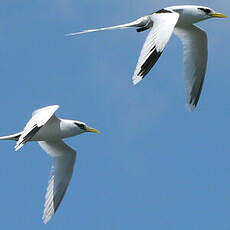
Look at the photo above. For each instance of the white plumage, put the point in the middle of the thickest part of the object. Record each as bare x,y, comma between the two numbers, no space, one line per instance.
155,43
49,131
180,20
61,172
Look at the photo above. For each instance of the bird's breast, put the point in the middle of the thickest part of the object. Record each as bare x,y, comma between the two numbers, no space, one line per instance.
47,134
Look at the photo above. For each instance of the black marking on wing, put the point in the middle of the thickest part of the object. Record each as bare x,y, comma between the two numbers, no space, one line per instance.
142,29
17,137
163,11
29,135
195,98
150,62
146,26
207,11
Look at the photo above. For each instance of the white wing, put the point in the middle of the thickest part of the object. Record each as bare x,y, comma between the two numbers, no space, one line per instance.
39,118
60,176
45,111
141,22
159,35
195,61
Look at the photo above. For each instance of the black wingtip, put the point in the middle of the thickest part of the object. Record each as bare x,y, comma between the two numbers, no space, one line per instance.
150,62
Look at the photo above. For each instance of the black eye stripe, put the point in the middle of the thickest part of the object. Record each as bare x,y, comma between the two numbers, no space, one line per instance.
81,126
207,11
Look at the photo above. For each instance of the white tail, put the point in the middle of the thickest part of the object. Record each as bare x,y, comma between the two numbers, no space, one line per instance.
11,137
141,22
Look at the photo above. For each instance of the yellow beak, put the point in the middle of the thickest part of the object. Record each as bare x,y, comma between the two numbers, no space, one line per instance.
218,15
92,130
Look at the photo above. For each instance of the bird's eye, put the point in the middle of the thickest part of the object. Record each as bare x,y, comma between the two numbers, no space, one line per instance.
81,126
207,11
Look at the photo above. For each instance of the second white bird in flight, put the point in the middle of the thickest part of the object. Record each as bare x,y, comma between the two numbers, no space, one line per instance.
180,20
49,131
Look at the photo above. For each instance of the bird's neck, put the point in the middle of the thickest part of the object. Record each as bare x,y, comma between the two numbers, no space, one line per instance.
67,128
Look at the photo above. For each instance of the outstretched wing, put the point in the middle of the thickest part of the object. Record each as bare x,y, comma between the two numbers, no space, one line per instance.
141,22
60,176
195,61
39,118
158,37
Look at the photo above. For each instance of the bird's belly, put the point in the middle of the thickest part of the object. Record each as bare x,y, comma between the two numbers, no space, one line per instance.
184,21
50,133
46,136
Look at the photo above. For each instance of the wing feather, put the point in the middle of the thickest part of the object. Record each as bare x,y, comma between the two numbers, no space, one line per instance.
61,173
195,61
39,118
157,39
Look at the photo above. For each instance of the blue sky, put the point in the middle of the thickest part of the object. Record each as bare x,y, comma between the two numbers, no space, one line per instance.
155,166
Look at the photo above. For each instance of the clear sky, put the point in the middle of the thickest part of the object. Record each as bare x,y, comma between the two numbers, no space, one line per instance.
155,166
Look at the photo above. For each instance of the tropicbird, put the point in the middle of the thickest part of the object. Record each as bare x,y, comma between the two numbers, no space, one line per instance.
49,131
180,20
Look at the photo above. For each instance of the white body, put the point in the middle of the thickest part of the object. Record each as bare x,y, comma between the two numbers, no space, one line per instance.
49,131
179,20
55,129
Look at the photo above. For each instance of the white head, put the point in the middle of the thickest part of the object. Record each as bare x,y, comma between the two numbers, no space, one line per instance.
193,14
206,12
81,127
71,128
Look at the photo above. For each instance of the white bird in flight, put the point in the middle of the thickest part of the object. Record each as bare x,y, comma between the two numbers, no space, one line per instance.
180,20
49,131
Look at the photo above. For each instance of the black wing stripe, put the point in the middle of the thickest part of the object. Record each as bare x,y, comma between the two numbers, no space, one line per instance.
163,11
195,98
142,29
150,62
146,26
29,135
17,137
